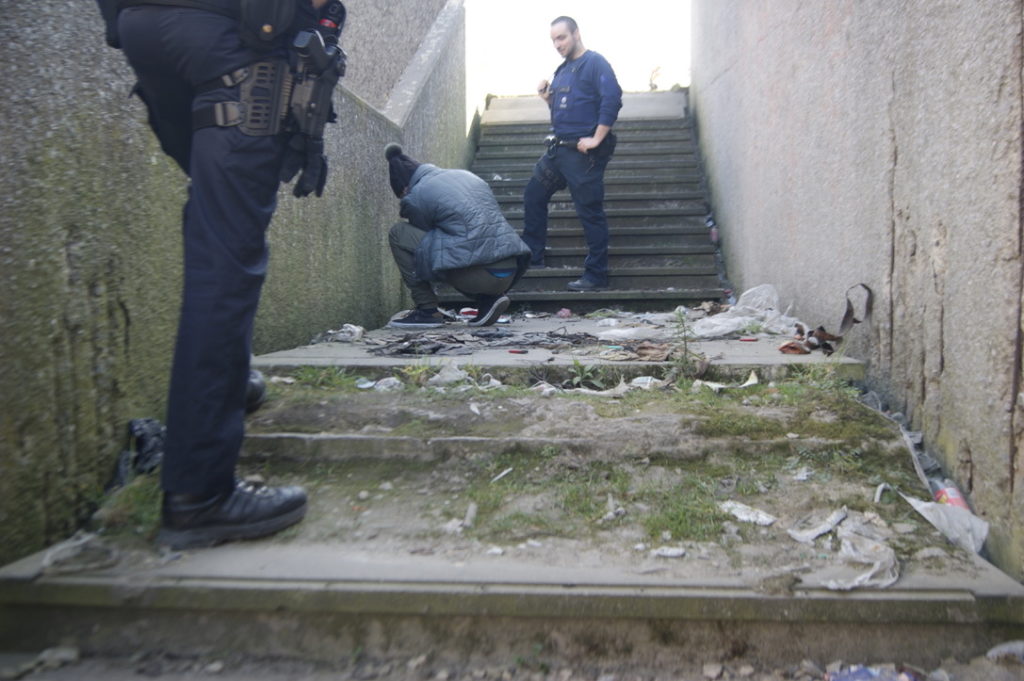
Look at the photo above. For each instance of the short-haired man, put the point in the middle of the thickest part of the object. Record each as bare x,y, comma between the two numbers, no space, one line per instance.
584,97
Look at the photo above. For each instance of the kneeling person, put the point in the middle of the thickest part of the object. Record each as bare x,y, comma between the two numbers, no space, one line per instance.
455,234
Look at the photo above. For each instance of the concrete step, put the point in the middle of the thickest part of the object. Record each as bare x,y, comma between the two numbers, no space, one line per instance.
616,199
491,140
639,299
621,205
622,150
689,232
624,218
636,256
689,183
620,164
691,276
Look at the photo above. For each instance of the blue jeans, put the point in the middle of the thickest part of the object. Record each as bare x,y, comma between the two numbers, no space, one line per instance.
231,199
584,175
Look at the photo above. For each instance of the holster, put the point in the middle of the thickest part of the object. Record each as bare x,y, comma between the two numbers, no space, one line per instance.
263,92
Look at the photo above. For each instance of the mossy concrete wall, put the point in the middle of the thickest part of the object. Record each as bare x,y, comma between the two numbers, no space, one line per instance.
90,253
880,142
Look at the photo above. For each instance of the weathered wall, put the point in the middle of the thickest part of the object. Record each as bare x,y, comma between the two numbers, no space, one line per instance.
880,142
90,249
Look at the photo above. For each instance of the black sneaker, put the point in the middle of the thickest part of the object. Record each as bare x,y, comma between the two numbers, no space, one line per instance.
249,511
419,319
490,315
584,284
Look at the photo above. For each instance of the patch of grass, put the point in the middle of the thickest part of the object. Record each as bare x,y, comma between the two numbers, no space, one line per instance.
417,374
327,378
583,494
132,510
519,525
689,511
603,313
734,423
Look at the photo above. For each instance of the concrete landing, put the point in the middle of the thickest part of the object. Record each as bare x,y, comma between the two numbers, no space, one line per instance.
635,105
520,344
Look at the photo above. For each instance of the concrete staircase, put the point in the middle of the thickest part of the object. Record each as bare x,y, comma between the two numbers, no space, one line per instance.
661,254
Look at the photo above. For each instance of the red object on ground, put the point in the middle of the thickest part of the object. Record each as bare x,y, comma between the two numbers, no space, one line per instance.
518,352
748,340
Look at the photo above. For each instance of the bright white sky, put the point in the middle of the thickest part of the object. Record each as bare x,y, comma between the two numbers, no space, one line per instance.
509,50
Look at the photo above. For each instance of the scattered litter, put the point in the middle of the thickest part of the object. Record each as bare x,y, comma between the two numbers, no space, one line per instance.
388,384
718,387
518,352
792,436
348,333
608,321
859,544
364,383
794,348
614,511
807,535
646,383
448,374
470,516
81,552
144,454
363,495
387,486
502,474
564,313
545,389
474,408
537,315
758,306
495,551
287,380
668,552
747,514
453,526
1011,650
712,670
958,525
861,673
621,389
628,333
488,382
748,339
803,475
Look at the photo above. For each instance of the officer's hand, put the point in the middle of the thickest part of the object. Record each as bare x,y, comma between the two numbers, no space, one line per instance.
308,156
542,89
585,144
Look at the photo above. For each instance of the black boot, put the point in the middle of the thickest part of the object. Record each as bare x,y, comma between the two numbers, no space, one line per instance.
249,511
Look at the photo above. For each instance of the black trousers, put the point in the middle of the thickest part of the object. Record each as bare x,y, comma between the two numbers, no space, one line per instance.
231,199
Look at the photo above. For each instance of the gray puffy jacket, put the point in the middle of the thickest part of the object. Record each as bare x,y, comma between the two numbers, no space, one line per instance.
463,221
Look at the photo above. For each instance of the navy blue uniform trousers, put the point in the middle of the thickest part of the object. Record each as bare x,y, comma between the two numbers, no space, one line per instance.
584,175
231,199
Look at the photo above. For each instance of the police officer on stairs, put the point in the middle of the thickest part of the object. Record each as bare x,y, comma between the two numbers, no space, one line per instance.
584,97
215,77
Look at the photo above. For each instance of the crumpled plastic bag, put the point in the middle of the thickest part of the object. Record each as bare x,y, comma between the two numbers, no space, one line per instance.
448,374
859,545
759,305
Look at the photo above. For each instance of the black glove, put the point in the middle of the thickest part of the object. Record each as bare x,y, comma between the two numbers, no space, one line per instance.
308,156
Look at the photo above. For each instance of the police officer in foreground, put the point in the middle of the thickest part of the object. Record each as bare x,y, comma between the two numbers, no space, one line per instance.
237,92
584,97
